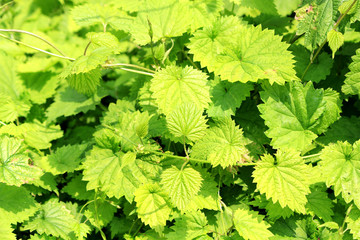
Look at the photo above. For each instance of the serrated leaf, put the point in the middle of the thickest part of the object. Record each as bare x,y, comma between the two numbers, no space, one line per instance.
6,232
153,205
320,204
102,214
103,39
223,145
353,222
226,97
15,168
274,210
16,204
267,7
69,102
340,165
203,12
103,169
250,225
181,185
92,14
173,86
292,113
352,83
53,219
190,226
283,179
187,123
65,159
318,70
250,54
76,188
167,18
335,40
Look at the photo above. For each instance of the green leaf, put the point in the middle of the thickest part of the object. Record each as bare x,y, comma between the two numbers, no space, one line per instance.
181,185
76,188
292,113
102,214
15,168
16,204
93,14
167,18
69,102
223,145
226,97
6,232
250,225
335,40
352,82
103,39
318,70
173,86
340,165
53,219
153,205
189,226
353,222
320,204
267,7
65,159
111,173
317,21
187,123
284,179
274,210
84,73
247,54
203,12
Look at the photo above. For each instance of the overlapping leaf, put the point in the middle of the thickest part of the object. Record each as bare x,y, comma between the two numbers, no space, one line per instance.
223,145
186,123
251,226
182,185
340,166
352,81
15,168
174,85
285,179
153,205
296,113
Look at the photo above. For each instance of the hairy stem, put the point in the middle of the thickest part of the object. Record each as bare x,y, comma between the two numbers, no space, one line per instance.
341,17
34,35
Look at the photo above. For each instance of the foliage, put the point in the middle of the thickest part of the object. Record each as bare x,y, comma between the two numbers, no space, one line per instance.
179,119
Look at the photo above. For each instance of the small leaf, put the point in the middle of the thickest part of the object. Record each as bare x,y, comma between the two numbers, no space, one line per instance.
152,205
352,81
173,86
187,123
320,204
353,222
335,40
223,145
15,168
251,226
181,185
284,179
340,165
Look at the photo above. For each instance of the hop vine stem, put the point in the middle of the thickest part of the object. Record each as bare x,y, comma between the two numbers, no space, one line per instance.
341,17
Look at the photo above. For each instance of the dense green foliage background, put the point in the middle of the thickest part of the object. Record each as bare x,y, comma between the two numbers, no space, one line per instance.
179,119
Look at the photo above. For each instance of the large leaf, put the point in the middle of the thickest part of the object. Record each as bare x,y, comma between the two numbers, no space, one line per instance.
285,179
352,81
15,168
223,145
167,19
182,185
174,85
53,219
153,205
6,232
116,175
251,226
340,166
294,113
247,54
320,204
65,159
187,123
16,204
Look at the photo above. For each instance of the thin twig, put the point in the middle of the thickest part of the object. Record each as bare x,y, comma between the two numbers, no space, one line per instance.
128,65
86,48
38,49
34,35
136,71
